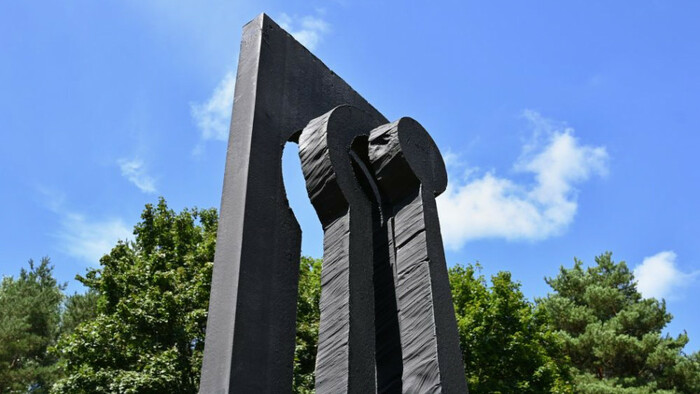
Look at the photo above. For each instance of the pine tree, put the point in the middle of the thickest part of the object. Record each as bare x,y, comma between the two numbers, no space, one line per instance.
78,308
612,334
29,316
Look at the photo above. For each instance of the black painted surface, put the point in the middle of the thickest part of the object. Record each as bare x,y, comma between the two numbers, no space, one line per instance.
345,358
410,173
387,322
280,86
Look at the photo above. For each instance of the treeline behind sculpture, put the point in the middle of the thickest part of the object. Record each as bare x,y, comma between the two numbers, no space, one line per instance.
140,327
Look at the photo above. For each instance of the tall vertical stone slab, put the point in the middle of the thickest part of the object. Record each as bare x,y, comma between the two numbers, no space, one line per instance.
280,86
410,173
345,362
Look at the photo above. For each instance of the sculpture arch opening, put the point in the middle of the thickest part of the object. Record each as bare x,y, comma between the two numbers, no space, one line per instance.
295,190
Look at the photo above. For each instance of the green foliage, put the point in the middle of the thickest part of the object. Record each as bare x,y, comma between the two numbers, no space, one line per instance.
78,308
507,347
613,336
308,315
505,344
29,316
148,334
140,327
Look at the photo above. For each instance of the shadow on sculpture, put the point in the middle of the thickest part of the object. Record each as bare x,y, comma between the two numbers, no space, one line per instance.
387,320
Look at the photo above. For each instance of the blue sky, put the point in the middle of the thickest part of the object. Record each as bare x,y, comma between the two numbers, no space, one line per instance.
568,129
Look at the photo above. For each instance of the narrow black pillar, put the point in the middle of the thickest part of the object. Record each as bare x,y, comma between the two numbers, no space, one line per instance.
345,362
410,173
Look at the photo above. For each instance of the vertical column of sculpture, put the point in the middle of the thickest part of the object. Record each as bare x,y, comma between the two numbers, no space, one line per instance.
410,173
345,359
251,324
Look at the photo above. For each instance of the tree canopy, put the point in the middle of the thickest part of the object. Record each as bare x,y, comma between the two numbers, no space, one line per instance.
140,326
148,333
506,346
612,335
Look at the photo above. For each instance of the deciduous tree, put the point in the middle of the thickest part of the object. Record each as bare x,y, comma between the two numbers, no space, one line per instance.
152,296
308,315
147,336
506,346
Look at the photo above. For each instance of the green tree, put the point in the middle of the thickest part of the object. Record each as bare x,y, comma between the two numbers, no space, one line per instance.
140,327
77,309
612,334
308,315
29,316
506,345
153,294
146,334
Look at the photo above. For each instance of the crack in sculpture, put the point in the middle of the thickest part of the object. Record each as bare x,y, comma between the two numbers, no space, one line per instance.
387,321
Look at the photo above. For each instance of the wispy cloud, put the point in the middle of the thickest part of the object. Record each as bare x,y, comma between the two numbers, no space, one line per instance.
658,277
89,239
80,236
308,30
135,172
213,116
489,206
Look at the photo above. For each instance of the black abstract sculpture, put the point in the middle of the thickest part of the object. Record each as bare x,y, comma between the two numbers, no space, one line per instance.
387,321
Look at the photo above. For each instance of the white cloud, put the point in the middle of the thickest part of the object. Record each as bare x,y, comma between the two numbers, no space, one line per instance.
489,206
79,236
134,171
658,277
90,240
308,30
452,159
214,116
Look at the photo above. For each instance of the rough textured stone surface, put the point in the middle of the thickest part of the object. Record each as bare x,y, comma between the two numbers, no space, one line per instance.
387,323
410,172
345,359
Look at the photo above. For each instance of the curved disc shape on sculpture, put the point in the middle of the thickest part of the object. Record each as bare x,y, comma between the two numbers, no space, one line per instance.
403,154
325,150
